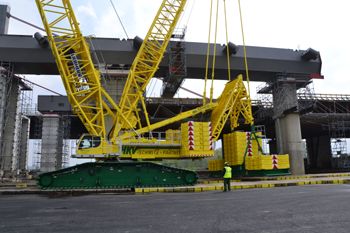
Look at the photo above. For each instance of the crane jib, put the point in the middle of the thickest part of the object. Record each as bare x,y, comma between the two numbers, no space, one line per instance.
76,65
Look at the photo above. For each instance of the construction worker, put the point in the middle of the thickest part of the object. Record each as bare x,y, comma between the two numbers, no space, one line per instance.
227,174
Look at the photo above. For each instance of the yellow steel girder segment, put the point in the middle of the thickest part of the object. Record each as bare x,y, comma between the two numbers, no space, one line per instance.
242,107
233,101
224,101
148,58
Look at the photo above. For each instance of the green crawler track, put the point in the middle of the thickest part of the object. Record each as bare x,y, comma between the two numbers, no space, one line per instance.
111,175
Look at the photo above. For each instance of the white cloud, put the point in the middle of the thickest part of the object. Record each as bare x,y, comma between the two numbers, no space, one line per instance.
107,25
87,10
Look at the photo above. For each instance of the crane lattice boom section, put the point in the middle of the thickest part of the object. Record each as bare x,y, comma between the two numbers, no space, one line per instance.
79,76
147,61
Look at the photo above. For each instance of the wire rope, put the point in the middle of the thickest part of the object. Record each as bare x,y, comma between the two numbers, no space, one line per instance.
213,69
194,2
207,63
127,36
245,53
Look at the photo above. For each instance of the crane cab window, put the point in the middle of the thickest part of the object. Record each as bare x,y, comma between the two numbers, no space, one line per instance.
89,142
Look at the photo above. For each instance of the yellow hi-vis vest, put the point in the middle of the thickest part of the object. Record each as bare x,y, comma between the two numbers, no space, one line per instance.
228,173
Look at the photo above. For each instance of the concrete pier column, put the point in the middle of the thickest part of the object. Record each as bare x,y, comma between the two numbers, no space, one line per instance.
10,143
114,86
291,142
319,151
287,123
52,143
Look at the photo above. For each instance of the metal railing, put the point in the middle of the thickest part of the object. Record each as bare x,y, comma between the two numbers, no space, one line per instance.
151,138
114,146
337,97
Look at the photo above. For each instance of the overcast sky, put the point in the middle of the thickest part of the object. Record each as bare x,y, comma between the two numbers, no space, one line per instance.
288,24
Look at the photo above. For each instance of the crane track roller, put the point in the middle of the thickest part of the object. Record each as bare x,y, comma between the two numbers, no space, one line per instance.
111,175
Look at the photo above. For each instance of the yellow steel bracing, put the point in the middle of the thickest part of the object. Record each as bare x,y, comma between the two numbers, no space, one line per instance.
147,61
80,79
232,102
184,115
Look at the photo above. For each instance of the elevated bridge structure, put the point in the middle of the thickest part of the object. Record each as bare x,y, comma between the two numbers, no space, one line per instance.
285,71
325,107
323,110
28,57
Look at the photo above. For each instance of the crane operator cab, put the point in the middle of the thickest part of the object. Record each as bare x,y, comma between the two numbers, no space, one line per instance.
93,146
89,141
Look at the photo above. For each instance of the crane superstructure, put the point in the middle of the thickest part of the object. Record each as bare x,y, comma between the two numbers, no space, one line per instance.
127,138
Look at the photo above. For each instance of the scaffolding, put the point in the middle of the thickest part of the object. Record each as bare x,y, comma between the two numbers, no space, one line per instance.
264,140
288,93
336,128
264,103
177,64
22,125
331,104
38,124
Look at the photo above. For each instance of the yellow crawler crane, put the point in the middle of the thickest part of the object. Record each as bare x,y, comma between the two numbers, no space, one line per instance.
127,139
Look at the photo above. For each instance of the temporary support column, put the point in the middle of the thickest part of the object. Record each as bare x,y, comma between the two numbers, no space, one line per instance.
23,154
10,142
114,83
4,18
287,123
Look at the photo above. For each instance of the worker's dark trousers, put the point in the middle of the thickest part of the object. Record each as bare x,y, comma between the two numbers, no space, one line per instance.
227,184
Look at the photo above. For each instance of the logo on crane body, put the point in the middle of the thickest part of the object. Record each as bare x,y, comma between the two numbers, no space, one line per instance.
76,65
129,150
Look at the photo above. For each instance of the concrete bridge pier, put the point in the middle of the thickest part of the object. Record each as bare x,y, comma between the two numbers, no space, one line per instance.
288,127
287,123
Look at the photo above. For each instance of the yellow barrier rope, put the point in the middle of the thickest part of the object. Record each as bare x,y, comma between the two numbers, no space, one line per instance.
206,68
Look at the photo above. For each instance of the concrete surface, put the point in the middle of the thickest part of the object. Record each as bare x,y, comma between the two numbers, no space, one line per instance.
210,184
315,208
